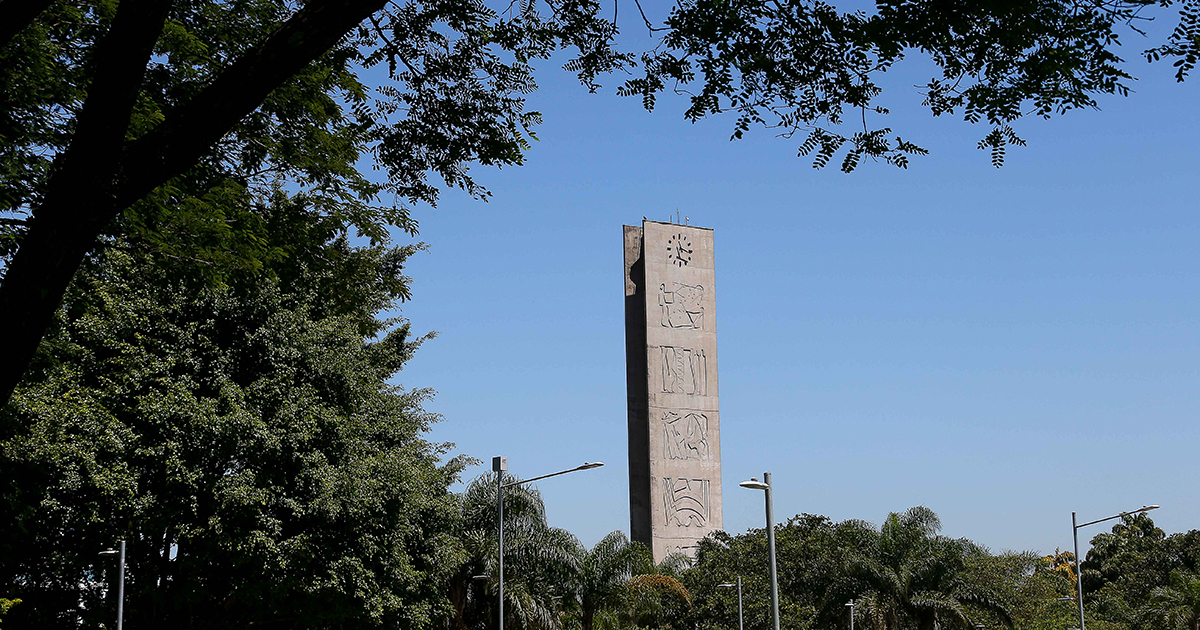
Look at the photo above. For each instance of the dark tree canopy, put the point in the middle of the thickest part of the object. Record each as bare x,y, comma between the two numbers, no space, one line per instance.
171,120
244,440
902,576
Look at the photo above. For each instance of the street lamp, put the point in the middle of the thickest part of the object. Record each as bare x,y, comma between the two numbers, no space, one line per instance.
109,553
739,588
500,465
851,605
1075,536
765,486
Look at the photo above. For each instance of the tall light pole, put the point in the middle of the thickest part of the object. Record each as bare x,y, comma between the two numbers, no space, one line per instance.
739,588
851,605
1075,537
500,465
765,486
108,553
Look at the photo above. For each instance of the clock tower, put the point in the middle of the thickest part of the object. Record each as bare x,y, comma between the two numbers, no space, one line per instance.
671,386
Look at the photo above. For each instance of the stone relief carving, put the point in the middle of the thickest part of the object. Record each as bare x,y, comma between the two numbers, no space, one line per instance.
682,307
686,501
684,371
685,436
687,550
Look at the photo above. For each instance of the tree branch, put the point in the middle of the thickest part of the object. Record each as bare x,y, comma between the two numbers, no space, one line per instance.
97,179
79,194
103,121
188,132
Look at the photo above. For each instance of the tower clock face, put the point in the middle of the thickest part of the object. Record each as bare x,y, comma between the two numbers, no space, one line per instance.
679,250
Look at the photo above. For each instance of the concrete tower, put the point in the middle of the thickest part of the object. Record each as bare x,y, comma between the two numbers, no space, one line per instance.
671,382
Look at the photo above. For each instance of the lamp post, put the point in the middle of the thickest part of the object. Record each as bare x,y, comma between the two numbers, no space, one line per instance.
1075,536
739,588
765,486
851,605
108,553
500,465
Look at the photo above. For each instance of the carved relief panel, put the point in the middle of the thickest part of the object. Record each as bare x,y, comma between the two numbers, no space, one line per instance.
682,306
684,371
686,501
685,436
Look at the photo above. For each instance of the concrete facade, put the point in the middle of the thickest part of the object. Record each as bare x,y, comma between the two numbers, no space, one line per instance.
671,384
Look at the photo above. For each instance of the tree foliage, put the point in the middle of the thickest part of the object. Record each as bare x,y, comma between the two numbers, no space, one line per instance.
244,441
551,581
917,577
901,576
812,554
804,66
1128,564
540,562
173,119
1175,605
605,581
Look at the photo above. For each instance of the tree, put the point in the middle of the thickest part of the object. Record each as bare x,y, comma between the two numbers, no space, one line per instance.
540,562
1135,546
1126,565
812,553
134,116
655,600
1037,591
1175,606
243,440
6,604
605,574
916,576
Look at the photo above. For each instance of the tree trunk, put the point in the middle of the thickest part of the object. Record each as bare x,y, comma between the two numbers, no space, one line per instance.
79,200
458,599
99,177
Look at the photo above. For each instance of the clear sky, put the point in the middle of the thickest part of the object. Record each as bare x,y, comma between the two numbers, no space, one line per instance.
1003,346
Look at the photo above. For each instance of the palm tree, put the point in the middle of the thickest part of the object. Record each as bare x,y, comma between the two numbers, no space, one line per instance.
913,576
619,586
605,573
1175,606
539,561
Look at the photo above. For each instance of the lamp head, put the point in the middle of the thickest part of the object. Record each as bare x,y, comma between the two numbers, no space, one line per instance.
485,576
109,553
590,465
754,484
726,585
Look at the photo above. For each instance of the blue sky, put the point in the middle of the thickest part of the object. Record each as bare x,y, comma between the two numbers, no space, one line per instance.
1001,345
